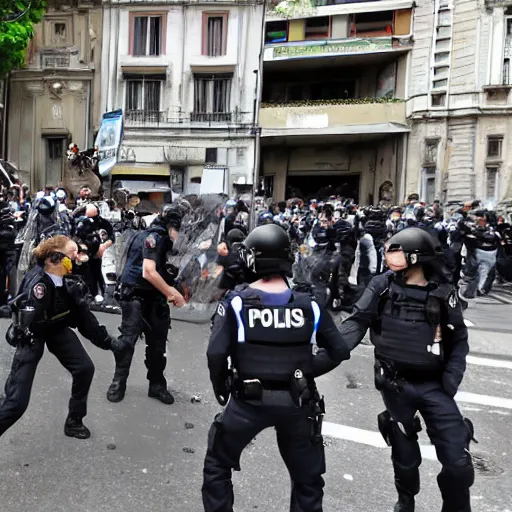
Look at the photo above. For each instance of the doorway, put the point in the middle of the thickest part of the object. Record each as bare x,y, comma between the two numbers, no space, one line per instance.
315,186
55,152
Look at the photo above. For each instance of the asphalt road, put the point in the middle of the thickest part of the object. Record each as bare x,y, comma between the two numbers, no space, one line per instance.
142,456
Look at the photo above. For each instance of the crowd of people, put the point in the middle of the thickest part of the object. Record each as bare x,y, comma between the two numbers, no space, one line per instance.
394,268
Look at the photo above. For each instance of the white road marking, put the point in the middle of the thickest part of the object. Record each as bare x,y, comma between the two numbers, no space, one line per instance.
468,323
493,401
367,437
485,361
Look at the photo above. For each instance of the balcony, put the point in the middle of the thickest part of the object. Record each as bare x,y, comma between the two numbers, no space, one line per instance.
157,119
362,115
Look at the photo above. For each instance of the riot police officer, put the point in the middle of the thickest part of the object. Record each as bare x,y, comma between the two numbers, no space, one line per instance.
421,343
146,290
50,301
271,334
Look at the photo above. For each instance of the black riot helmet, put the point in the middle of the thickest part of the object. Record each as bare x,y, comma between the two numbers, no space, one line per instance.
418,245
171,216
266,251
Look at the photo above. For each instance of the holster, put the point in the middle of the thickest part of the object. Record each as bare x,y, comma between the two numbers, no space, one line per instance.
302,388
385,376
317,405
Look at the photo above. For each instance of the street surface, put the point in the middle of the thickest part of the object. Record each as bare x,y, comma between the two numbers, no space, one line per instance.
143,457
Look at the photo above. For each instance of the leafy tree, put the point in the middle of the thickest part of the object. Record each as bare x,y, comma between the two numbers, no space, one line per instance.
17,19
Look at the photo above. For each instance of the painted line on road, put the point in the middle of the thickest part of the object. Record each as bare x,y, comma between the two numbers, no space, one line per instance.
485,361
493,401
367,437
468,323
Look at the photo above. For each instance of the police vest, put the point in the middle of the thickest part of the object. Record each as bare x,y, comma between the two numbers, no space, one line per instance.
132,272
407,333
274,341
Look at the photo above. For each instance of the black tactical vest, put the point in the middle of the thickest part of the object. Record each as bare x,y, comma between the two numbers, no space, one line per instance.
407,333
274,341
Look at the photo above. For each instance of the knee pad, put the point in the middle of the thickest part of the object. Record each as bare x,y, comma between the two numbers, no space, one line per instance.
459,473
393,430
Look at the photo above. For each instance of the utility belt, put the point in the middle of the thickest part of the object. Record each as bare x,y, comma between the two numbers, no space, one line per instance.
302,389
126,292
388,376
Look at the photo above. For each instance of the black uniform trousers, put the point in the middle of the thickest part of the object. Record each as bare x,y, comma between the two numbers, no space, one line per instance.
67,348
447,432
237,426
148,315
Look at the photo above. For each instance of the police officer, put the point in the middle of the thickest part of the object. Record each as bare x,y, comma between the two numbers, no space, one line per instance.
146,289
271,335
50,301
421,343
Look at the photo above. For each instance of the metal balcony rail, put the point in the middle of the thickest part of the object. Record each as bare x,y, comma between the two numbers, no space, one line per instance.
143,117
210,117
321,3
151,117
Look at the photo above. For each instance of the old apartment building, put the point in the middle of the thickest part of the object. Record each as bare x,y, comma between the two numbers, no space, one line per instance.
185,74
460,106
333,113
55,99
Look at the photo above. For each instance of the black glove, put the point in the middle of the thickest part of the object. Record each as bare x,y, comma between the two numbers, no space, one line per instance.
16,336
222,393
76,288
451,383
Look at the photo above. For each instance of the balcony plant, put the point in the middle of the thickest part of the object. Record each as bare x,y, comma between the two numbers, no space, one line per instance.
292,8
320,103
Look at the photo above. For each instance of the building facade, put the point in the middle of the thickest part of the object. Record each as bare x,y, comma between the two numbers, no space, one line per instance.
186,76
333,116
460,106
55,99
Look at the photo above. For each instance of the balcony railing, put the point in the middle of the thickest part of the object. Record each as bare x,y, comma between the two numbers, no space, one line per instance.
210,117
152,118
143,117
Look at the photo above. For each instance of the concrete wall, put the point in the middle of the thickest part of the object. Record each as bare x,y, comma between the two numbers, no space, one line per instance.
331,115
375,162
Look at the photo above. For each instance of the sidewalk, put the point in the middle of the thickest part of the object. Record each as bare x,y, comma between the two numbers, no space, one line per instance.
490,344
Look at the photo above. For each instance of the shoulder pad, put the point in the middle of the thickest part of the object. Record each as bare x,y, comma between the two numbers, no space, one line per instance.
382,281
239,288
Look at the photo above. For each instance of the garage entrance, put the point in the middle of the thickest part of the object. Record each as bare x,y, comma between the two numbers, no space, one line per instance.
321,186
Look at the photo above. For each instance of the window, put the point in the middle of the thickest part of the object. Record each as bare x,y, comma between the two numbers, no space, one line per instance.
431,152
440,83
143,100
509,27
276,32
147,36
373,24
438,100
491,183
57,32
506,72
429,185
317,28
494,145
212,94
215,31
211,156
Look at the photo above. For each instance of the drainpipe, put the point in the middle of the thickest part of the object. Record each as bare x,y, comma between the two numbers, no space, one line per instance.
6,102
255,127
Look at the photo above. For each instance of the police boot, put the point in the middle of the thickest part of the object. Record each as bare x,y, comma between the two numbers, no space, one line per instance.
5,311
160,392
116,390
405,503
75,428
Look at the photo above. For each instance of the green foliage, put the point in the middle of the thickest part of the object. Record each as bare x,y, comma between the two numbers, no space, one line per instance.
17,19
291,8
320,103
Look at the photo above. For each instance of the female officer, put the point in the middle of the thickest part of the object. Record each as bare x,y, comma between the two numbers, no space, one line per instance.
51,301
